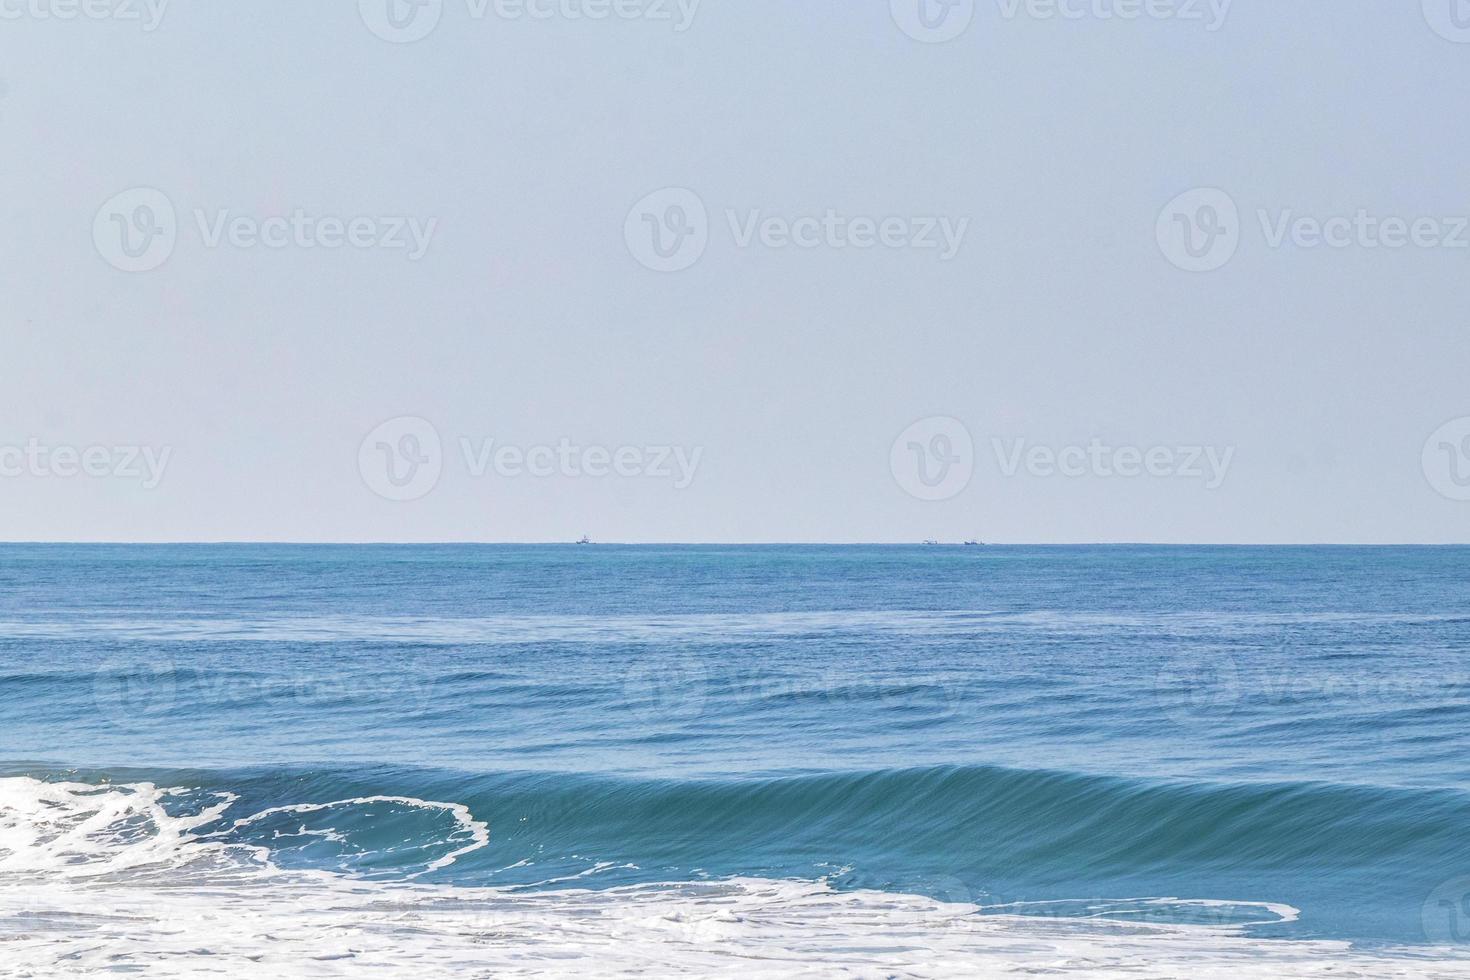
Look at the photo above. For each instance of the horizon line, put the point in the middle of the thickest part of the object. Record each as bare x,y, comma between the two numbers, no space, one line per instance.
202,542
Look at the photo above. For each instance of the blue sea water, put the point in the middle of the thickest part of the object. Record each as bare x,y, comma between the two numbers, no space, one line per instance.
1270,742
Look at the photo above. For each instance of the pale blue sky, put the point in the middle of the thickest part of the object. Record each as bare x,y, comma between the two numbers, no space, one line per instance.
529,319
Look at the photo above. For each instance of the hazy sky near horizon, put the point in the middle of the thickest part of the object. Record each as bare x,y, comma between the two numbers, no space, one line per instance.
725,271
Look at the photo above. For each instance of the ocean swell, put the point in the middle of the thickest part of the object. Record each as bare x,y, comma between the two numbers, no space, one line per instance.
97,878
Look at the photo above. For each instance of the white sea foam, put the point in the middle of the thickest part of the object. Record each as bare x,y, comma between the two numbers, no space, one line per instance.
100,881
685,627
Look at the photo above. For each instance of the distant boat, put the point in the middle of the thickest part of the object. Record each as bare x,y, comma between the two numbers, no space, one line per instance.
930,541
974,544
584,540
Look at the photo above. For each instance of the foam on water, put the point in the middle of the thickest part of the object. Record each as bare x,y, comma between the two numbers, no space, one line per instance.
118,878
683,628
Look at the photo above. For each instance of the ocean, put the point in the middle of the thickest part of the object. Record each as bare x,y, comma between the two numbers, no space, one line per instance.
486,761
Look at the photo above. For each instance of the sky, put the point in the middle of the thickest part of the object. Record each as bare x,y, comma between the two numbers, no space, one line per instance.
879,271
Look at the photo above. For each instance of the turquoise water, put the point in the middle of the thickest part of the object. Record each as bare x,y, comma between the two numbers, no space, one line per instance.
1167,734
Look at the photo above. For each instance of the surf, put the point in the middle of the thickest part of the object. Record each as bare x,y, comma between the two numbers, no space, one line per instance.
105,876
